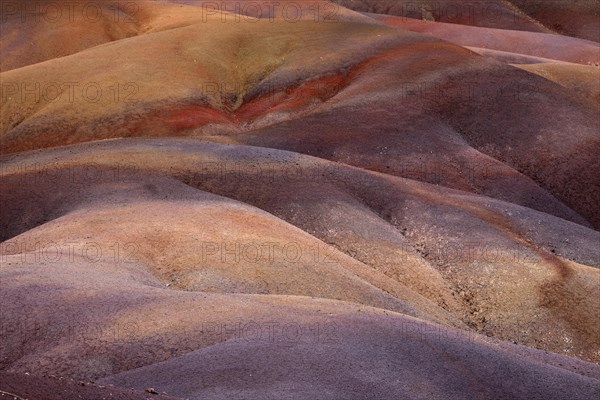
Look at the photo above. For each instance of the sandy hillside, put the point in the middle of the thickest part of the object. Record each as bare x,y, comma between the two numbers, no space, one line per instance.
351,199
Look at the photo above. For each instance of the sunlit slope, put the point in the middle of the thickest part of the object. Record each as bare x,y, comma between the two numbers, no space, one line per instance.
209,83
58,28
274,200
583,80
410,247
200,74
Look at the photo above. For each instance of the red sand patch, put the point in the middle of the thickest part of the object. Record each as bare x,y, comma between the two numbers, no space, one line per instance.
293,98
193,116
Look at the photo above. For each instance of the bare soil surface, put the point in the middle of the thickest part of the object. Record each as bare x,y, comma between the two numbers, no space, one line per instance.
351,199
